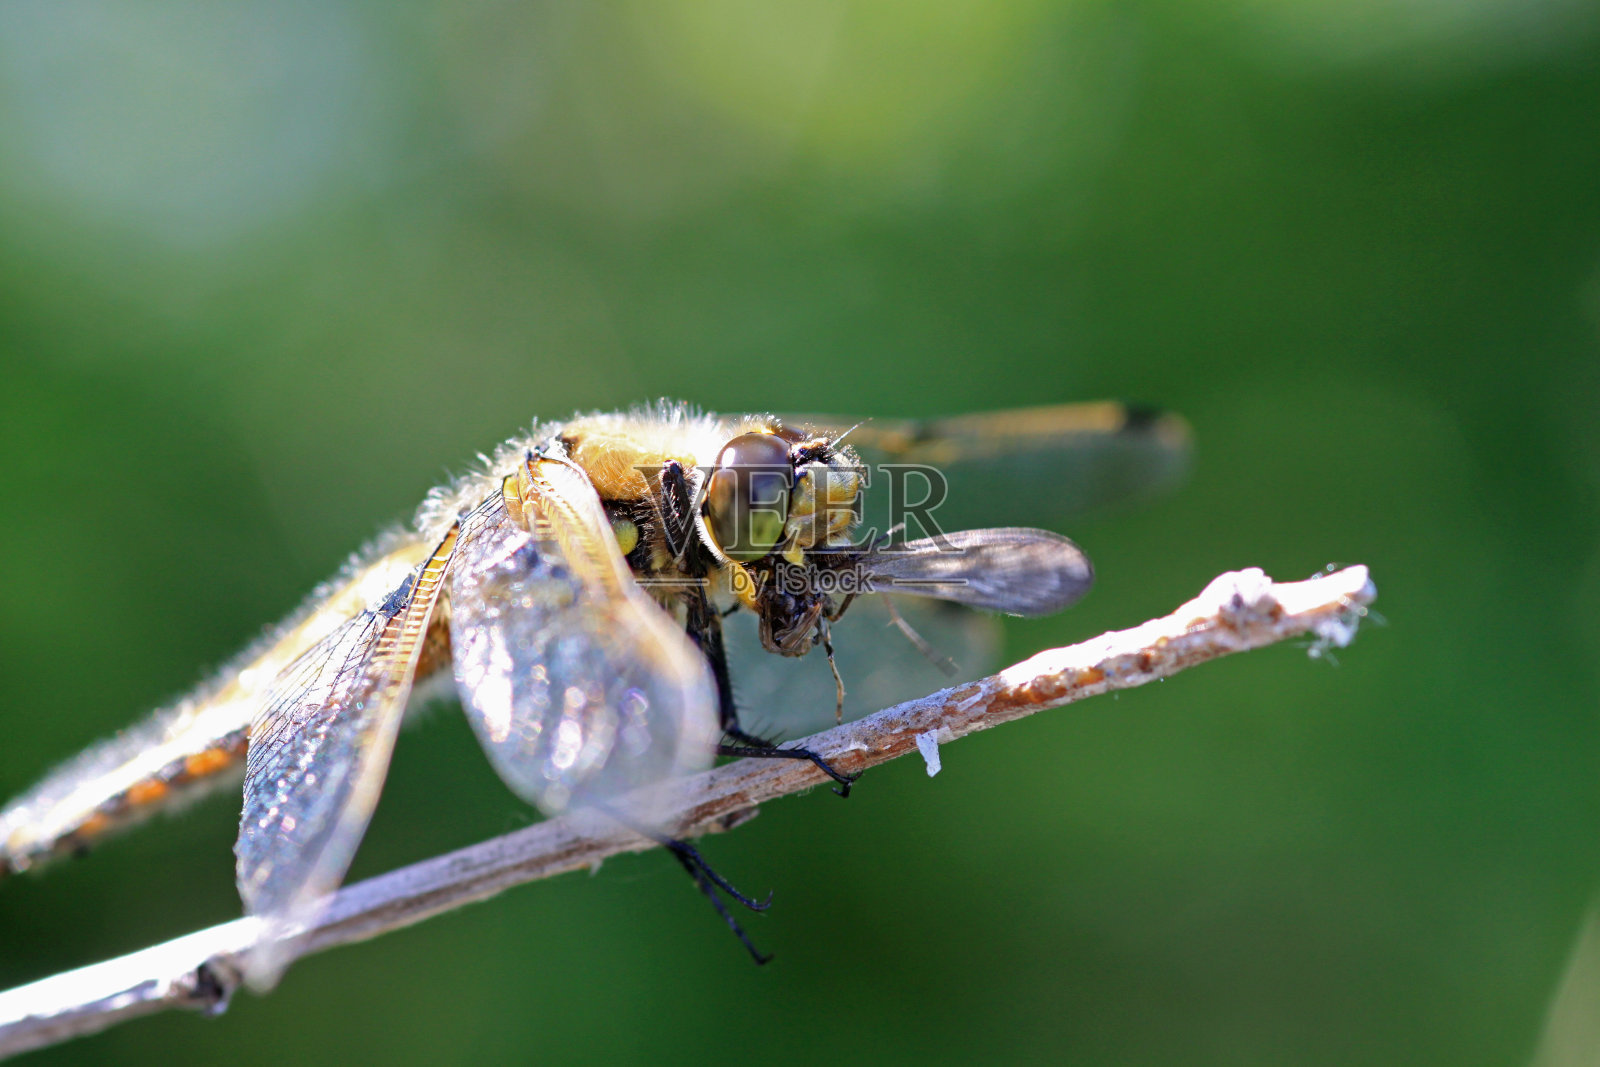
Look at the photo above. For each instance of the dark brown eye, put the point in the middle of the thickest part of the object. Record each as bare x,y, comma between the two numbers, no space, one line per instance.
747,496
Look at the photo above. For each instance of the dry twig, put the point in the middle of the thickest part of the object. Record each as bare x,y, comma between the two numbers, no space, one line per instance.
1238,611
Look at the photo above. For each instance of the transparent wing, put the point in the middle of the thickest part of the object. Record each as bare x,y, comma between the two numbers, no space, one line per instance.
1015,570
578,685
319,750
1041,465
1029,466
783,696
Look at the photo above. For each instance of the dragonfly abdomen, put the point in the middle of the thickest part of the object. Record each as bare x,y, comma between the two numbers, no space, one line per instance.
185,751
118,783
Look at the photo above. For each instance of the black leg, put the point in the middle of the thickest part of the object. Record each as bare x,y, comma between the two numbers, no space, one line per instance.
677,507
744,744
705,877
704,627
703,623
708,881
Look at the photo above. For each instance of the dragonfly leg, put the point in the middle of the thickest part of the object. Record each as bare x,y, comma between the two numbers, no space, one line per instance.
706,878
709,882
703,624
705,629
739,743
677,510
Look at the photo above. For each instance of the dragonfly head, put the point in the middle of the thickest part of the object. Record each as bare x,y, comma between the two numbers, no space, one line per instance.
778,491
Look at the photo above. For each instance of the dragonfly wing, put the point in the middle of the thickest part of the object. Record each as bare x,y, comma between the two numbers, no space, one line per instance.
1030,466
784,696
1015,570
579,686
319,749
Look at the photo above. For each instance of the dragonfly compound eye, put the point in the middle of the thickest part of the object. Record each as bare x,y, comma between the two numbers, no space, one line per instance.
747,496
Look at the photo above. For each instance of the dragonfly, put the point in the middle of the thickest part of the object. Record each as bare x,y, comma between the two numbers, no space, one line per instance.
590,589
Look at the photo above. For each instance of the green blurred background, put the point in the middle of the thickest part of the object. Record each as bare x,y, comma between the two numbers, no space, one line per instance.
268,271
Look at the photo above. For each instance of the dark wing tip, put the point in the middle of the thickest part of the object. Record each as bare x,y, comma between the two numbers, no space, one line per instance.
1166,426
